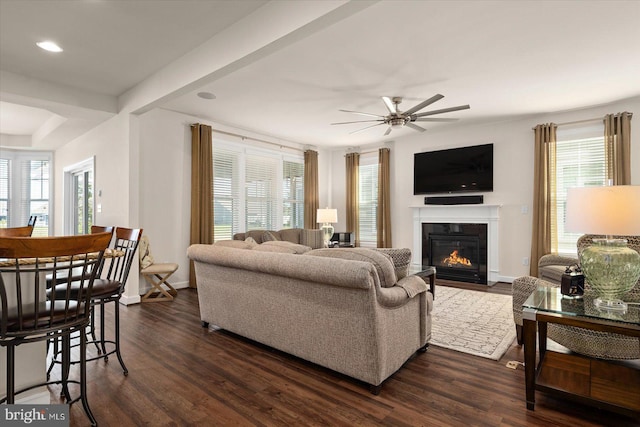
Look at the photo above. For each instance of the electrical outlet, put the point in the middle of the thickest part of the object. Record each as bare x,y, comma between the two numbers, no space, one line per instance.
525,260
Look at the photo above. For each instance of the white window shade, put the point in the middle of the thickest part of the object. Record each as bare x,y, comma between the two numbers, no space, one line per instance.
293,194
5,217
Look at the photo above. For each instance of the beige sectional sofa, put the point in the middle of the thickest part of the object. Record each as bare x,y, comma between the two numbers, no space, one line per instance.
346,311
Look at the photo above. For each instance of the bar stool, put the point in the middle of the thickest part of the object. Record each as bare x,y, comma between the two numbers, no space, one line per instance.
109,290
28,316
25,231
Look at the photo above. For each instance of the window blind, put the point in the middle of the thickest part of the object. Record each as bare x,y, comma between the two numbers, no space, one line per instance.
261,192
5,218
226,193
293,194
368,198
579,163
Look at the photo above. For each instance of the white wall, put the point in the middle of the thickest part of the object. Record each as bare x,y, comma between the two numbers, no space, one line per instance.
115,176
513,176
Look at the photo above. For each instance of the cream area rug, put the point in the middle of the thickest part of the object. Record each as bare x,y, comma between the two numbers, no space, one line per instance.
478,323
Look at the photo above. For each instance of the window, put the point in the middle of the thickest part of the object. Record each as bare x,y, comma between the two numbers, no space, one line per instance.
255,189
79,197
25,189
368,198
580,162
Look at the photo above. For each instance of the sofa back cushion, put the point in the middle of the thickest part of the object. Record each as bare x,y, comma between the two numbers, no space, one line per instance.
381,261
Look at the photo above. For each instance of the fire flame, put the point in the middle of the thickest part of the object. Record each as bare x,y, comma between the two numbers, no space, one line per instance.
454,259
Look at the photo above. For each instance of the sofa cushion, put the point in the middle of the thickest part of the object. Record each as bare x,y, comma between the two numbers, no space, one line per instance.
381,261
270,236
290,235
293,248
312,238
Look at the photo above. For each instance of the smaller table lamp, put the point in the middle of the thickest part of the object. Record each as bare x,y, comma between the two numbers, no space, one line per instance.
611,268
326,217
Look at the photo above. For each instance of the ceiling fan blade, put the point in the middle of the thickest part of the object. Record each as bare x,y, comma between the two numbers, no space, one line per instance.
360,130
424,104
444,110
415,127
435,120
390,105
388,131
360,112
358,121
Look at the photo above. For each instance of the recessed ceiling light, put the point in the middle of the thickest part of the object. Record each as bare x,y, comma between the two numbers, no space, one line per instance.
49,46
206,95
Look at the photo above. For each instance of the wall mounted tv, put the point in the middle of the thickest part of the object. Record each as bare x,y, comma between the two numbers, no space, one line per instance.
456,170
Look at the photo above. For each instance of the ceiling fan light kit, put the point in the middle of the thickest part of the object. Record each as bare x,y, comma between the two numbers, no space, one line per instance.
397,118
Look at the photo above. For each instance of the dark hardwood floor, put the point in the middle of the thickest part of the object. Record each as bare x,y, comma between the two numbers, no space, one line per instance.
183,374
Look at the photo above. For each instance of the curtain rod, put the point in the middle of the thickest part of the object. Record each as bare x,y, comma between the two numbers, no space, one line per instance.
243,137
575,122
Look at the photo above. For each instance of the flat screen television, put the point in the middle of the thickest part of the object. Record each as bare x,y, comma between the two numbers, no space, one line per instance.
456,170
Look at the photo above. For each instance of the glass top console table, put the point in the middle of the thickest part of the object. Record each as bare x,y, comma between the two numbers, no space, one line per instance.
607,384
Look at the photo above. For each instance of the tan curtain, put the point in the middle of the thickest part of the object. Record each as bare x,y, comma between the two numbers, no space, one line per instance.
201,190
383,214
544,239
311,195
617,142
353,204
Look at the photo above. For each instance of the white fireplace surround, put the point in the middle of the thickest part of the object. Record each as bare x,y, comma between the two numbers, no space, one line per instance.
464,214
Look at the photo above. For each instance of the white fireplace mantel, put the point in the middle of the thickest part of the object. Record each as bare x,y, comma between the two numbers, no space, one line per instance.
467,214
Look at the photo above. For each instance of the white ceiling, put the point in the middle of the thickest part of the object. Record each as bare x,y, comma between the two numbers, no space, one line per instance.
505,59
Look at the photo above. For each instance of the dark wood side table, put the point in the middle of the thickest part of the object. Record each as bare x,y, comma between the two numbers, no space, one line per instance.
426,273
611,385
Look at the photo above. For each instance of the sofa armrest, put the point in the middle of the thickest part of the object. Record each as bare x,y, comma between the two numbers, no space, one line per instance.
553,259
521,288
400,294
239,236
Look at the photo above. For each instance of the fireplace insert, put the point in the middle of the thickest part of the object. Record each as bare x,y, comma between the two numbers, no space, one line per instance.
458,251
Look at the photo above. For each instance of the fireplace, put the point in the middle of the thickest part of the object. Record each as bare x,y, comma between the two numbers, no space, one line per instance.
457,250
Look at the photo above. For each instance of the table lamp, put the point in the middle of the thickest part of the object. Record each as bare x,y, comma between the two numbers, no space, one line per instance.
326,217
611,268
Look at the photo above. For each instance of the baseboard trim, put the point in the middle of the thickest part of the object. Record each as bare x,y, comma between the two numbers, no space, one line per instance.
125,300
507,279
42,397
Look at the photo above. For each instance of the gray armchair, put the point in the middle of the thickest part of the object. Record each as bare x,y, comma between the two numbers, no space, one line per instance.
601,345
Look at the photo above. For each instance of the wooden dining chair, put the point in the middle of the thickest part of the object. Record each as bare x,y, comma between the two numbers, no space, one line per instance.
25,231
28,316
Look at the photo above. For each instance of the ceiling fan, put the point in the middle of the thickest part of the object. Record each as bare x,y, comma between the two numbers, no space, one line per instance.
397,118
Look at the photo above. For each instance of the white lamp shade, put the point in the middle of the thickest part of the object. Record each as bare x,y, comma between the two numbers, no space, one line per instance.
327,215
611,210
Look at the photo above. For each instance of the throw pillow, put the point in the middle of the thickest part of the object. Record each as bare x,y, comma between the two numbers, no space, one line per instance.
401,258
312,238
269,236
381,261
